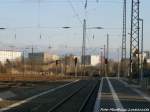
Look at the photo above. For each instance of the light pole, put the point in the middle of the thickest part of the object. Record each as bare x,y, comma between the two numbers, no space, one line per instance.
107,64
84,46
84,43
118,64
105,60
32,50
85,28
24,64
142,49
12,58
1,28
101,65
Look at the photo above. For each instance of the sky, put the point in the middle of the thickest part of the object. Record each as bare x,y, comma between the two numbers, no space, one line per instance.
38,23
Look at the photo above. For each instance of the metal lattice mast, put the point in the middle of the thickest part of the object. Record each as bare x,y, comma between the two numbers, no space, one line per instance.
124,32
134,39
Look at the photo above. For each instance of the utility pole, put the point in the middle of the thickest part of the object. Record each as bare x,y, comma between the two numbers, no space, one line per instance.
134,40
84,46
105,60
65,64
32,58
101,65
12,53
107,64
142,49
124,32
23,63
118,64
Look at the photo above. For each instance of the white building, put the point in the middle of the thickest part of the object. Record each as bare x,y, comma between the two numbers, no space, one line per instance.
95,60
55,57
9,55
146,55
91,60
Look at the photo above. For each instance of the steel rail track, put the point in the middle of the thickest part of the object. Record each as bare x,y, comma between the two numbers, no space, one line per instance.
73,94
88,97
66,99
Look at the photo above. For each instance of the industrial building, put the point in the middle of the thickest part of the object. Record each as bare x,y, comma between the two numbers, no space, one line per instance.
91,60
9,55
41,57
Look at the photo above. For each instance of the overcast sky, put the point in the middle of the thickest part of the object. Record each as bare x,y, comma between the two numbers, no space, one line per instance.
26,20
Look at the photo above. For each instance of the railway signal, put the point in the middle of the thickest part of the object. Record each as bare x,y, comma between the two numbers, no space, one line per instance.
75,62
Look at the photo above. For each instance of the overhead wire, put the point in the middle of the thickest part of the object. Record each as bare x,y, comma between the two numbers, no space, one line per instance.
74,11
61,1
72,6
39,13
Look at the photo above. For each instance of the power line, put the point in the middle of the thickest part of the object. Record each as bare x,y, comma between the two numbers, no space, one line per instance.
85,6
74,11
59,1
53,27
39,13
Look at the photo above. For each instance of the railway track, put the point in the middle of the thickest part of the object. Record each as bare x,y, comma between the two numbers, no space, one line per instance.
72,98
63,106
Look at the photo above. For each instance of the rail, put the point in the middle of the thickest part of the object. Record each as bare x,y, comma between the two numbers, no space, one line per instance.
59,104
88,97
65,99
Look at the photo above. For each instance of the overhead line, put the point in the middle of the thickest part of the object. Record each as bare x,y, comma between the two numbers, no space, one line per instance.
60,1
74,11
